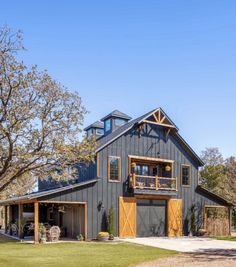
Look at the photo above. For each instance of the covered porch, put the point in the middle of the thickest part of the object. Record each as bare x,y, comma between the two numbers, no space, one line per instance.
61,220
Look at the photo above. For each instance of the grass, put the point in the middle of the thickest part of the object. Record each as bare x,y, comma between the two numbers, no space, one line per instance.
228,238
14,253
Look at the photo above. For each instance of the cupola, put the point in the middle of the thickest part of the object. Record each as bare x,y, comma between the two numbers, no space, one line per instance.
96,128
114,120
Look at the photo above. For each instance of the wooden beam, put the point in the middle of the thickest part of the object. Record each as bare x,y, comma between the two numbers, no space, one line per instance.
160,124
85,222
167,133
152,197
155,116
10,214
80,219
230,219
61,202
36,222
151,159
5,218
163,119
20,217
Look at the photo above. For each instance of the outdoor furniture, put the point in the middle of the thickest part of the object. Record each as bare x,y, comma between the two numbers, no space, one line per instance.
54,233
14,229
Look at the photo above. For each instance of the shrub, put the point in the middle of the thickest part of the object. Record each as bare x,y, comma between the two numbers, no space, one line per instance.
111,222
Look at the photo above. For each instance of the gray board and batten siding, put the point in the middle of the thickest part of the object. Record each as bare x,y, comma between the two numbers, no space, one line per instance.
147,141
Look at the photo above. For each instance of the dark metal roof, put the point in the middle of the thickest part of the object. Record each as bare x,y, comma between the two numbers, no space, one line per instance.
118,114
96,124
45,193
214,195
107,139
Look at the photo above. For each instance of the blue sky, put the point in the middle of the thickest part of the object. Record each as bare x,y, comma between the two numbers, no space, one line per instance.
138,55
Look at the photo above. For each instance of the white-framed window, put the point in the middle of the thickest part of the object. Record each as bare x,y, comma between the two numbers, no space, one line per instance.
99,132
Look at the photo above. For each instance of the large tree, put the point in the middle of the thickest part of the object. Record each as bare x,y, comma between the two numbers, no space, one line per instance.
40,120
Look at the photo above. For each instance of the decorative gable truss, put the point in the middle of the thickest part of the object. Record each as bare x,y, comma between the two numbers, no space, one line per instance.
158,117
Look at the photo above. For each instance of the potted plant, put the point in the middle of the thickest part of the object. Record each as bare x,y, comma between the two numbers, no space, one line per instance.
202,232
42,233
103,236
80,237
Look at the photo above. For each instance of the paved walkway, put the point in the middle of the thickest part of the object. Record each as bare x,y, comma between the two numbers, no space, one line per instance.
192,245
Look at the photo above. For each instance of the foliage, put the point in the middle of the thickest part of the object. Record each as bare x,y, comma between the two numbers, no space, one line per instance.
80,237
219,175
63,254
217,213
42,229
40,121
103,234
21,223
111,221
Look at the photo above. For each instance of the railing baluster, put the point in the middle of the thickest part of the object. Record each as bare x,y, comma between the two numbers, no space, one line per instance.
156,182
153,182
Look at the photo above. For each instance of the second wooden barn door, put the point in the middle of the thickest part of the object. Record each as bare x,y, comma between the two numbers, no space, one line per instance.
174,217
127,217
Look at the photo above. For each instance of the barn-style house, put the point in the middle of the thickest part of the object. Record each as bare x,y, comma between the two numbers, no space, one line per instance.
143,169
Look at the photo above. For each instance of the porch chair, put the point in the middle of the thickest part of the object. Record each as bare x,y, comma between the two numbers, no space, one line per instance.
54,233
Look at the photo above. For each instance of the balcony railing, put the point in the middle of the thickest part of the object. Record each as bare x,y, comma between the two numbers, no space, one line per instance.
152,182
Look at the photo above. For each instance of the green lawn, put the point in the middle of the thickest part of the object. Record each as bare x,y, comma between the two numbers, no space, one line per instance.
14,253
228,238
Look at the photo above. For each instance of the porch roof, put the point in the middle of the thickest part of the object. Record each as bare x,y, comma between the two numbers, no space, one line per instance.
209,193
35,195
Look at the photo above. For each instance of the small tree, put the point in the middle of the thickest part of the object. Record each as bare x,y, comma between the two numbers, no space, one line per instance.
111,221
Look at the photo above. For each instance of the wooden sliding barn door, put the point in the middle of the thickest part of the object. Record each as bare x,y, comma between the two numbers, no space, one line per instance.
127,217
174,217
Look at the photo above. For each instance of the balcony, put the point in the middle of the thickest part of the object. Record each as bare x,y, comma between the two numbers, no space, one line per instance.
152,182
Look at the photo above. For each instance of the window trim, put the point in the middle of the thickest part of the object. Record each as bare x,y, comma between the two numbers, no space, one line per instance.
181,175
119,169
105,125
97,130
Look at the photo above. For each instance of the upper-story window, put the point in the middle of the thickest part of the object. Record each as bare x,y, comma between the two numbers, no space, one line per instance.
89,132
185,175
107,125
99,132
114,169
119,122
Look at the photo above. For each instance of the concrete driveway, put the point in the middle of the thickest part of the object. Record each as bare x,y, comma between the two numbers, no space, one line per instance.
187,244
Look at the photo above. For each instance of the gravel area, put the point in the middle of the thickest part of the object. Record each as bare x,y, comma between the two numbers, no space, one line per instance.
198,260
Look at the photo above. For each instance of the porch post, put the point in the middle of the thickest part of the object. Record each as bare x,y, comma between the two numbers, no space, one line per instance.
10,214
5,218
20,217
85,222
230,219
36,222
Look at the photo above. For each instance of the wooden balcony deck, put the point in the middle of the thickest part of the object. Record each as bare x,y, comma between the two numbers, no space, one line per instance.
152,182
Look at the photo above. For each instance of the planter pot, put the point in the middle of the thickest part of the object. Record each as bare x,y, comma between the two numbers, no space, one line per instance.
43,240
103,238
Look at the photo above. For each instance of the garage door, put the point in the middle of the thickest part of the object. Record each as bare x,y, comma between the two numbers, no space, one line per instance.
151,217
